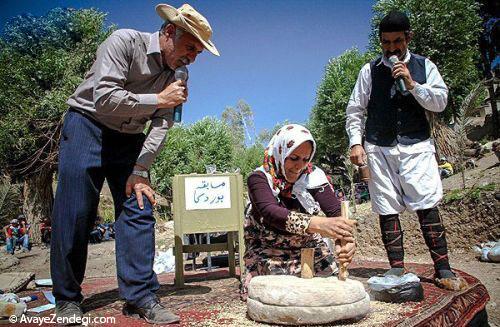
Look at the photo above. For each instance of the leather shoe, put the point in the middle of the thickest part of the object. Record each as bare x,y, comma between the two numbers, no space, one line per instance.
153,312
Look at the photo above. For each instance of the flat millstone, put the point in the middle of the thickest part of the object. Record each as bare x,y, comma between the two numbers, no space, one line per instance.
286,290
292,300
291,315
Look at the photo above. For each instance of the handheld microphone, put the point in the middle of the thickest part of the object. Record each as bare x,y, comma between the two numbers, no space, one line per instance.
399,81
181,74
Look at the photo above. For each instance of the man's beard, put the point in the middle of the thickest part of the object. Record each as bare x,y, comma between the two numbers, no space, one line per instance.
397,53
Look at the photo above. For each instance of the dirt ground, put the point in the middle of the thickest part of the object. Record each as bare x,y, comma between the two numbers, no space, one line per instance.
468,222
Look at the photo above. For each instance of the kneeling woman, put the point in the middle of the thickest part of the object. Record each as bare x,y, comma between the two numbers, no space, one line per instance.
286,194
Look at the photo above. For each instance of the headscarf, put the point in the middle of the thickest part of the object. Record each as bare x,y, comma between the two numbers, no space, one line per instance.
282,144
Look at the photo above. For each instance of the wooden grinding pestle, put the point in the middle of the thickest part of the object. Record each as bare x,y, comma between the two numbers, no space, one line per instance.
344,209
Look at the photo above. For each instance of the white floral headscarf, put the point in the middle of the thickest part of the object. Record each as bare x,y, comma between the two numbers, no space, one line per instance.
282,144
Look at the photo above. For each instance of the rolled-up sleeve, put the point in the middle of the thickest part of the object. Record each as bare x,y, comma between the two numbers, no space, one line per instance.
111,68
156,137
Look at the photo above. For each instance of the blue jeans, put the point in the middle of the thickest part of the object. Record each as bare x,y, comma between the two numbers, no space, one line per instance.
89,153
13,241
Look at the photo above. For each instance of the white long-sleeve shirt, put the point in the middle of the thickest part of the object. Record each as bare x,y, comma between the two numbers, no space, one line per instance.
433,96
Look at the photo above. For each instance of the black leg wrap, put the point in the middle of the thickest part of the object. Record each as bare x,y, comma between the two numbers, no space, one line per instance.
392,236
434,235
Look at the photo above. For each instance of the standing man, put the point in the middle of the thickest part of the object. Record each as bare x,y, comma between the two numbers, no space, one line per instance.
398,148
130,83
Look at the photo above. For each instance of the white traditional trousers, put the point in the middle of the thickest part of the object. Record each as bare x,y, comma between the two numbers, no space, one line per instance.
403,177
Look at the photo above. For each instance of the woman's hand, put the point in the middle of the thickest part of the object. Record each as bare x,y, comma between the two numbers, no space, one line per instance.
344,254
333,227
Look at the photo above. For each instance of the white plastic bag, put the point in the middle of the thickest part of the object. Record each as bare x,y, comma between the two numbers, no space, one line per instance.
490,252
494,253
395,289
164,262
379,283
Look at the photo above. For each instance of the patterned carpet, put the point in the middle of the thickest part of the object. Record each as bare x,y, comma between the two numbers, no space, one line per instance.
212,299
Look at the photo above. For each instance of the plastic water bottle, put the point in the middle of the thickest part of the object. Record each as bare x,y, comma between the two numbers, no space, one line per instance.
28,298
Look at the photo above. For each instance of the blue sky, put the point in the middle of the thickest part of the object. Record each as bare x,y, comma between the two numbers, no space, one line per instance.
273,53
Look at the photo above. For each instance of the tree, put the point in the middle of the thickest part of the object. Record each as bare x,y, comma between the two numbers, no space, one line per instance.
10,201
327,121
42,61
446,31
265,135
240,120
248,159
464,122
188,149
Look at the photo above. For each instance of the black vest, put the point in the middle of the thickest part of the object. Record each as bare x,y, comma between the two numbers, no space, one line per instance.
397,118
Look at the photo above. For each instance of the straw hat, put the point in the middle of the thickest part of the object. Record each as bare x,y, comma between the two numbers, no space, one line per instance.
187,18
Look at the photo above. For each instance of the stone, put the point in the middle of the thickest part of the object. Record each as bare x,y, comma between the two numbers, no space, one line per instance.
292,300
31,285
7,261
14,282
287,290
294,315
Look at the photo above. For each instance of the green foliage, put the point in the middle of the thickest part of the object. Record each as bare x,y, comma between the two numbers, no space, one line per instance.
446,31
475,192
265,135
453,195
42,61
106,210
249,158
188,149
327,121
472,193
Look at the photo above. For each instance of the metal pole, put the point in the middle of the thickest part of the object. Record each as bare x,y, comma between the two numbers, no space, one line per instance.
209,256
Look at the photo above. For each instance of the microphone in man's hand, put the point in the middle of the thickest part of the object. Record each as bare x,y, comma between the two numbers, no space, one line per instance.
399,81
181,74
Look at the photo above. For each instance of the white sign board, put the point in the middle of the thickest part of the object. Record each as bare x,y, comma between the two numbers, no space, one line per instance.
209,192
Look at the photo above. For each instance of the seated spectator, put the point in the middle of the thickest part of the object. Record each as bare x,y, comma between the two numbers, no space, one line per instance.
109,231
340,195
97,233
16,235
45,230
496,149
445,168
23,223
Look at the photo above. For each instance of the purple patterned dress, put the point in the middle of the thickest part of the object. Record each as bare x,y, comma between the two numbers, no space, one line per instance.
275,231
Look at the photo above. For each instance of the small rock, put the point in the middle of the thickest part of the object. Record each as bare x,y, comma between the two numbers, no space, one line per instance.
31,285
7,260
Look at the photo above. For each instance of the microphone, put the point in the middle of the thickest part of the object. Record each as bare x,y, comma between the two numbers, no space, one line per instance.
399,81
181,74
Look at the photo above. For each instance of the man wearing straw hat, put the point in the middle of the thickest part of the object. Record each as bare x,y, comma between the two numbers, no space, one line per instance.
130,84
